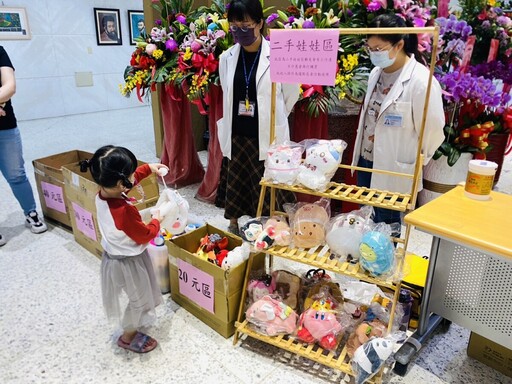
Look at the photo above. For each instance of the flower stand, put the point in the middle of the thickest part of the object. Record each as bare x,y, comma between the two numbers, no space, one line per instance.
178,149
208,189
439,177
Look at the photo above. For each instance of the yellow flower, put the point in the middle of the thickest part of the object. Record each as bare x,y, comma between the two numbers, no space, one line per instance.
188,54
224,24
331,19
158,53
492,3
214,17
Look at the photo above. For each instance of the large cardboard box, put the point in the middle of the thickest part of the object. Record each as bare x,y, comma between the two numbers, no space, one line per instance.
81,191
186,268
50,184
490,353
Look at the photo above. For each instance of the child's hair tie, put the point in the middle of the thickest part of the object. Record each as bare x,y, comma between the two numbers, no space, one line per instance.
84,164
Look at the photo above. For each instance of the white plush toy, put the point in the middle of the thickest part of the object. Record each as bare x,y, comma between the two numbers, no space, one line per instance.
236,256
282,164
174,211
322,160
345,231
369,357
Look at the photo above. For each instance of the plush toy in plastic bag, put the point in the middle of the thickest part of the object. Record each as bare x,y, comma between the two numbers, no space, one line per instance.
364,332
345,231
321,323
288,287
321,163
260,286
275,231
308,222
272,316
377,253
282,163
370,357
174,210
250,228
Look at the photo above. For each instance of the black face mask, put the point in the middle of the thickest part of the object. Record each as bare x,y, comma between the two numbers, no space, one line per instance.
244,38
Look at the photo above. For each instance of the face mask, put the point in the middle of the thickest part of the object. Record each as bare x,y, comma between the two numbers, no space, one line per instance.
244,38
381,59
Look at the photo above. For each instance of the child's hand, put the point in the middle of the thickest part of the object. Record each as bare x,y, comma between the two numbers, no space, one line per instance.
155,214
159,169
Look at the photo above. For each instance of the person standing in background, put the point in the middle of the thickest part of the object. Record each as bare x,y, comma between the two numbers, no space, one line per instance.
244,130
12,164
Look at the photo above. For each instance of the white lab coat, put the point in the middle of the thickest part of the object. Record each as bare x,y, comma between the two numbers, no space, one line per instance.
395,146
286,96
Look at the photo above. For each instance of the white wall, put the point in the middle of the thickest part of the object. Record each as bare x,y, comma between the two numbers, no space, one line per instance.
64,42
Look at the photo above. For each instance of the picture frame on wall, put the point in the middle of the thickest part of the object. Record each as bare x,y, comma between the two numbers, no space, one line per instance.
137,25
14,24
108,26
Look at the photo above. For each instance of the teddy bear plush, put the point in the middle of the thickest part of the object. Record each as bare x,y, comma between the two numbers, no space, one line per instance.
287,286
174,210
272,316
282,163
322,160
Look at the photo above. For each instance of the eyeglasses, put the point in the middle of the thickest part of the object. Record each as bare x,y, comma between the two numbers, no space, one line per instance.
367,49
243,28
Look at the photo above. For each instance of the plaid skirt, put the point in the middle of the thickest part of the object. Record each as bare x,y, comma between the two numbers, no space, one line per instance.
239,189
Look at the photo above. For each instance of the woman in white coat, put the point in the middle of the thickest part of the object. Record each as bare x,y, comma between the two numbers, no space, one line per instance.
390,119
244,130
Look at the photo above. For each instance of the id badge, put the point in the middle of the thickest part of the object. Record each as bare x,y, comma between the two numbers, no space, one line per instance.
246,109
393,120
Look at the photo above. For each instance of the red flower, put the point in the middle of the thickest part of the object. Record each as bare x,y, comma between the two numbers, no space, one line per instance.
145,62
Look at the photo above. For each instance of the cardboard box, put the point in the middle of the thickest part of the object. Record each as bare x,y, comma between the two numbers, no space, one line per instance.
81,192
228,286
50,184
490,353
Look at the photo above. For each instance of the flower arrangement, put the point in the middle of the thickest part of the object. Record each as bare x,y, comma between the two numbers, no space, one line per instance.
198,55
156,53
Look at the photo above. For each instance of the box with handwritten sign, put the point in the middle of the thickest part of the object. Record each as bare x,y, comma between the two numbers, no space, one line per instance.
204,289
50,184
81,191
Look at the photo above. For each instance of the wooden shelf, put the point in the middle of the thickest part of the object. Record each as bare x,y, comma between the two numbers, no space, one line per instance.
319,257
313,352
354,194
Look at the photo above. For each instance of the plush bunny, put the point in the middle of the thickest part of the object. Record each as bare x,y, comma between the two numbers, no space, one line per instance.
282,164
322,160
236,256
272,316
174,210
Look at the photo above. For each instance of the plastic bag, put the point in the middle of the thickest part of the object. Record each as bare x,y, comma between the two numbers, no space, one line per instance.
344,232
321,163
271,316
281,232
174,210
377,252
282,163
308,222
250,228
288,287
369,358
363,333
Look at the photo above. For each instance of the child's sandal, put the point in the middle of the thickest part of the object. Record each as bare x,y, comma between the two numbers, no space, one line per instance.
141,343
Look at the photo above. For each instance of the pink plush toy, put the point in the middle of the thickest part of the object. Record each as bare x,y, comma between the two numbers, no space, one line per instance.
319,323
282,231
272,316
258,288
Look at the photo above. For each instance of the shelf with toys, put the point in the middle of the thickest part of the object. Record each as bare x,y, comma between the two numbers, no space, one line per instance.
320,256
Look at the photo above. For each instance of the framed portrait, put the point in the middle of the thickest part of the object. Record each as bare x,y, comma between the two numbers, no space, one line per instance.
108,26
137,25
14,24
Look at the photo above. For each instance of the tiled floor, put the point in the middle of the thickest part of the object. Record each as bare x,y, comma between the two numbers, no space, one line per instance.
53,329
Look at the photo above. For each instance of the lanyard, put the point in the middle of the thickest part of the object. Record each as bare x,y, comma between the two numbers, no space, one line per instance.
248,78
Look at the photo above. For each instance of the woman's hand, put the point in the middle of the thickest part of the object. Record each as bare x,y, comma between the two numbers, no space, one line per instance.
160,169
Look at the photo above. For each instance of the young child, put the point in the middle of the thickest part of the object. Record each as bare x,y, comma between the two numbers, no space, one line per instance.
125,264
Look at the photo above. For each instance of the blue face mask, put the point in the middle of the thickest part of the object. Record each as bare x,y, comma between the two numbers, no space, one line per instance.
381,59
